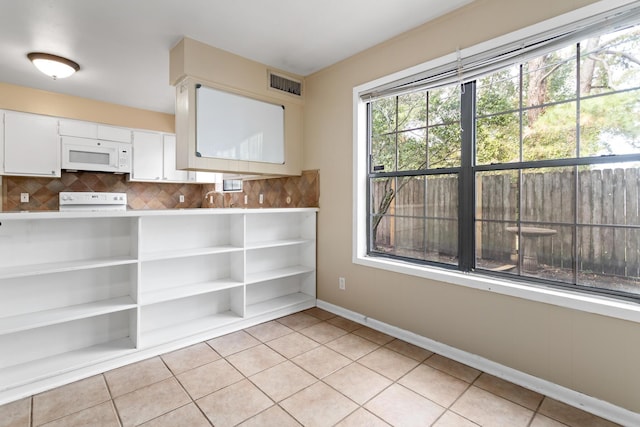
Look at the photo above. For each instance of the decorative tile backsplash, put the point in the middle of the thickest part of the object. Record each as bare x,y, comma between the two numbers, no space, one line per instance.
297,191
287,192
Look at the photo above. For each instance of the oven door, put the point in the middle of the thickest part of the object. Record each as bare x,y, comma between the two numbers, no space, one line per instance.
90,154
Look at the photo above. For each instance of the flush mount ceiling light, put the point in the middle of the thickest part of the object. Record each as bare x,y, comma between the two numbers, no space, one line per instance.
53,66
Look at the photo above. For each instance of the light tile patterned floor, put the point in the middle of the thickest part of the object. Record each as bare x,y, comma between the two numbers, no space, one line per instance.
311,368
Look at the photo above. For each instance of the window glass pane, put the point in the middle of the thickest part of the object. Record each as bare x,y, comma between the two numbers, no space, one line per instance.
442,196
498,139
609,124
382,193
548,196
495,247
610,62
444,105
420,222
549,78
381,235
412,111
549,132
498,92
608,194
383,153
609,258
546,251
410,197
444,146
383,116
412,149
442,218
497,196
496,210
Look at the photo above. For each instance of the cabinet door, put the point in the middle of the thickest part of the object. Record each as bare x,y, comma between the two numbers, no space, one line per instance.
78,128
170,171
147,156
31,145
112,133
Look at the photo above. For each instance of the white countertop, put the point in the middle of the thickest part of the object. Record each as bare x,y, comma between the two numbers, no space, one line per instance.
144,212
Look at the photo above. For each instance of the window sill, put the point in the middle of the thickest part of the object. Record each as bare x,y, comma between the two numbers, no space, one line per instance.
573,300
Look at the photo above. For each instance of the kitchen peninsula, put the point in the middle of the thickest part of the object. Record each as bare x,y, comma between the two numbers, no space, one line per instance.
85,292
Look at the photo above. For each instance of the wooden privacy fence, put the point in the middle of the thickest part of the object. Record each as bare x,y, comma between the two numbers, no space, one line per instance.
606,212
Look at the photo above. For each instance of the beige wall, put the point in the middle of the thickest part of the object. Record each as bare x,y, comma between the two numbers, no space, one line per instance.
20,98
589,353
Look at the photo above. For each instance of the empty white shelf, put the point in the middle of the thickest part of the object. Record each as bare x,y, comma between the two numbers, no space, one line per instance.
184,291
276,243
280,303
279,273
185,253
64,314
49,366
62,266
185,329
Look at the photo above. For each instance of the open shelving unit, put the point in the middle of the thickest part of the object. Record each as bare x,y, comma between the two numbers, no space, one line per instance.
80,291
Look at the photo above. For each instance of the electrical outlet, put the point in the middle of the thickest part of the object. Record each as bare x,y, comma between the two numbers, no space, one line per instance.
341,283
261,200
24,197
182,198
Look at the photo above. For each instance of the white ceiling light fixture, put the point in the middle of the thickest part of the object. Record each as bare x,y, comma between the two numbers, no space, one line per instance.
53,66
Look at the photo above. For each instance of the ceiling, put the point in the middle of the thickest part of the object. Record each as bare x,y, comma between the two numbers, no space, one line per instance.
123,46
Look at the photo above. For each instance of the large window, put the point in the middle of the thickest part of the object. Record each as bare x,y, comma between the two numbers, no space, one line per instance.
531,170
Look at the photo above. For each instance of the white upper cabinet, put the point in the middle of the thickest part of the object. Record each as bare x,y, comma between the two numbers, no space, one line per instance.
78,128
31,145
112,133
170,173
147,156
94,131
154,159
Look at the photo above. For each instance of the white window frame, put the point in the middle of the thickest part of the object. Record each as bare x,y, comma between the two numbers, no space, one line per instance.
575,300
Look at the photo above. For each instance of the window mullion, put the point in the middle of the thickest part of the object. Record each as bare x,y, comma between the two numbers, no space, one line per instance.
466,180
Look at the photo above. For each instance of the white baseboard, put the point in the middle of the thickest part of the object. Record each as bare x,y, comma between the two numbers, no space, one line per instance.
570,397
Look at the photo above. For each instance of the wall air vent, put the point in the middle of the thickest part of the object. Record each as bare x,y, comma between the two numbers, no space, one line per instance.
285,84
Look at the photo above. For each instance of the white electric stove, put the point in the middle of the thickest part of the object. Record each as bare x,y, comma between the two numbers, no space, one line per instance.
92,201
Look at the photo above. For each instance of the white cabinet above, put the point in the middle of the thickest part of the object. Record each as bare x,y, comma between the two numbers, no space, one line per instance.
31,145
154,159
92,130
147,156
169,171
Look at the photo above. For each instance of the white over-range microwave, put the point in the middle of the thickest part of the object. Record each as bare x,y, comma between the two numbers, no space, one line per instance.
95,155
